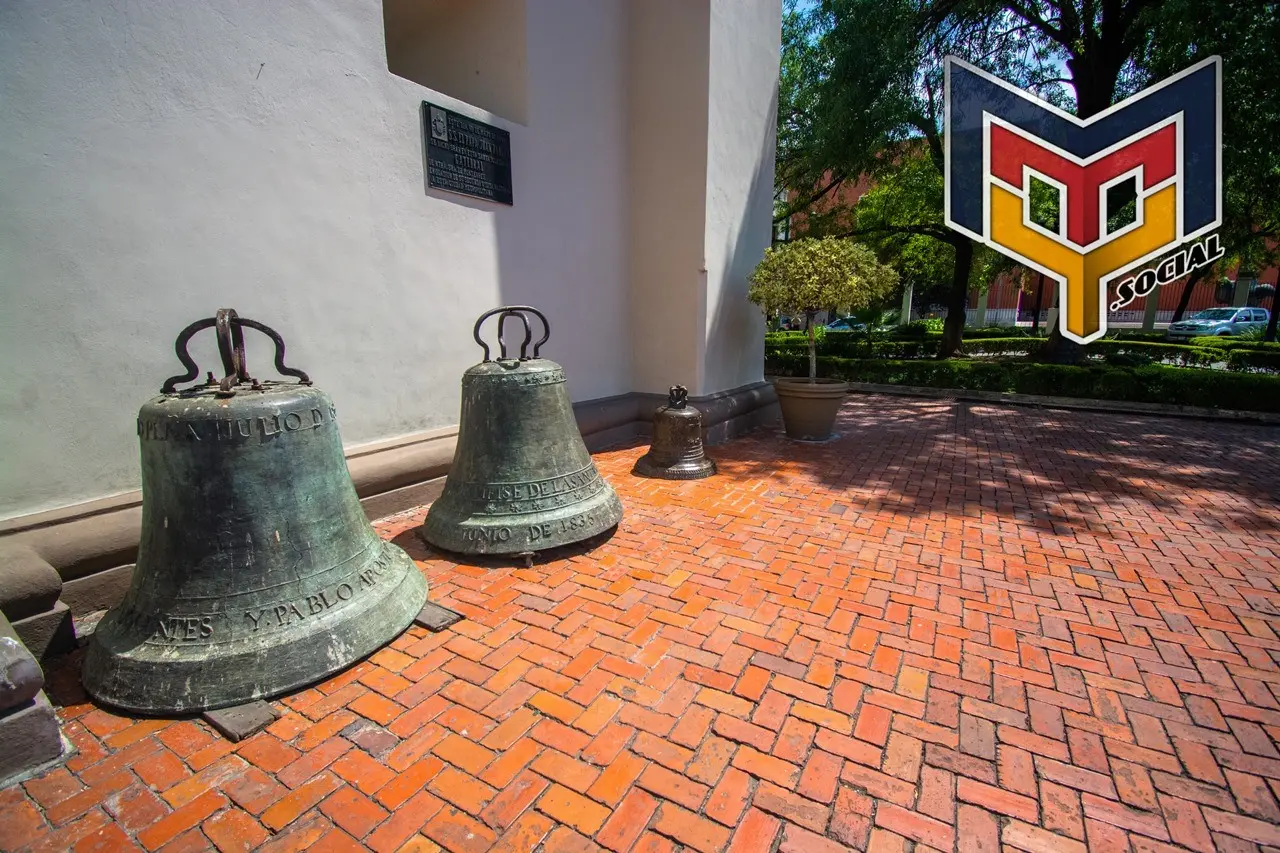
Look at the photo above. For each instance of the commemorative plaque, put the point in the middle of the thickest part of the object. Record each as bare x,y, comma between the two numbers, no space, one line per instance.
467,156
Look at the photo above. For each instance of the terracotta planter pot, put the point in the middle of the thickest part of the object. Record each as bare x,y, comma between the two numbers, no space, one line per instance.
809,408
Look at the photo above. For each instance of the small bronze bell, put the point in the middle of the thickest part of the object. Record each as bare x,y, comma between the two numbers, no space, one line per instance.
257,570
676,451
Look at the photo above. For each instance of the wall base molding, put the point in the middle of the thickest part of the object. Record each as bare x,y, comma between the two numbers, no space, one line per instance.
77,559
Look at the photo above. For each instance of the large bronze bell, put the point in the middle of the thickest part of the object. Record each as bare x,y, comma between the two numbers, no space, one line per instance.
522,480
676,450
257,571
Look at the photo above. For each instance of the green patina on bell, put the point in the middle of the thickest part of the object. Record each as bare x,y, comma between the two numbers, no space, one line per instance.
257,571
676,451
522,480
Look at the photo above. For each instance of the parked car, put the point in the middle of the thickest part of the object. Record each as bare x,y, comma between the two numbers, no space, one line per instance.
846,324
1219,321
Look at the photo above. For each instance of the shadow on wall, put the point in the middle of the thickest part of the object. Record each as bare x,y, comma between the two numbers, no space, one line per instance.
731,318
1058,471
562,247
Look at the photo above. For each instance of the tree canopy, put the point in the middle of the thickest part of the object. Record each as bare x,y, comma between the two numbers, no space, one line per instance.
862,84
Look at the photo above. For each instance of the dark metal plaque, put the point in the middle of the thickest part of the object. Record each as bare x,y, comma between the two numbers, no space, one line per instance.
467,156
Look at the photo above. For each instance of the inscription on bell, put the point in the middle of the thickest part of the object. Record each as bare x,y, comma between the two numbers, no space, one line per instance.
538,489
233,429
181,629
286,613
581,521
487,534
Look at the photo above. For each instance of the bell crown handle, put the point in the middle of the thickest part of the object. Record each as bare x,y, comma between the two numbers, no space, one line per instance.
514,311
677,397
230,331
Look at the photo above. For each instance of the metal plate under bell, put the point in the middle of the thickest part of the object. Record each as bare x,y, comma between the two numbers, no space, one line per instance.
522,479
257,570
676,451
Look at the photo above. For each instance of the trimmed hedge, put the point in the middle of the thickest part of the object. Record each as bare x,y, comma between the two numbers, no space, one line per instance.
1235,355
1147,384
1230,343
1181,353
1139,335
843,345
1253,361
888,348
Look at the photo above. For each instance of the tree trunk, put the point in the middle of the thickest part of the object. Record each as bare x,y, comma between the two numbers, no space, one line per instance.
953,328
1035,319
813,348
1185,299
1094,78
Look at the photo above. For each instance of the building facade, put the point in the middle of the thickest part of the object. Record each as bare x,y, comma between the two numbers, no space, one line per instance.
167,160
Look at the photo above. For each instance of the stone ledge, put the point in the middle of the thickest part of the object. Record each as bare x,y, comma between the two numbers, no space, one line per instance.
1075,403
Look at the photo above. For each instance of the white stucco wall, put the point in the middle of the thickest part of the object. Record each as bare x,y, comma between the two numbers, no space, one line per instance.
742,108
702,106
165,160
475,50
667,172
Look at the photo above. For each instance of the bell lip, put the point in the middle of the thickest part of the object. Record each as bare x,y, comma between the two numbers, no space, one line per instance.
412,585
684,470
606,503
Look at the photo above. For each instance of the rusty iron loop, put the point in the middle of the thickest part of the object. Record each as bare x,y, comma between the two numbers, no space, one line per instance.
678,397
524,345
230,330
516,311
231,350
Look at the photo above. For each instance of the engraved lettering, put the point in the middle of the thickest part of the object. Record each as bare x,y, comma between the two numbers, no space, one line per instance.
280,611
487,534
293,608
184,628
349,591
295,424
191,430
275,420
245,427
317,417
255,619
313,602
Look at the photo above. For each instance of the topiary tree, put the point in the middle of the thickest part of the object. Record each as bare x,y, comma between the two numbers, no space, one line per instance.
807,275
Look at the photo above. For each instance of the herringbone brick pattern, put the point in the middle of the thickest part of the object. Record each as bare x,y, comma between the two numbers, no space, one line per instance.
959,627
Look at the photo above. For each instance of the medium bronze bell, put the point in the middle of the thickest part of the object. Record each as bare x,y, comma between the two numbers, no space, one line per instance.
522,480
676,450
257,571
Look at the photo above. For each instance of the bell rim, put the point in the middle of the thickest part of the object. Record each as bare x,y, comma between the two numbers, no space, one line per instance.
102,667
606,501
684,470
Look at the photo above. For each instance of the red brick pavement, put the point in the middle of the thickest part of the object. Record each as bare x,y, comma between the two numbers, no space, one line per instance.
959,627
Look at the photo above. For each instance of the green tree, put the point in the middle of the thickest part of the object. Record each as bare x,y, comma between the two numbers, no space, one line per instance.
1247,37
1110,49
862,93
809,275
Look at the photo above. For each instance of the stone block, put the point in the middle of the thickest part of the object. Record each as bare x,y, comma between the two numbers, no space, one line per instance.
29,738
